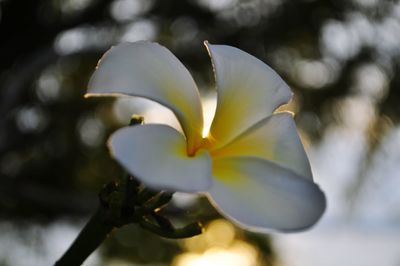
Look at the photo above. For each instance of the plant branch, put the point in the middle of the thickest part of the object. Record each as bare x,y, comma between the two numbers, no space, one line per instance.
91,236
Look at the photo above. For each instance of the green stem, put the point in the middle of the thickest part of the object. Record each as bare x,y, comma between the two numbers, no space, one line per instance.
91,236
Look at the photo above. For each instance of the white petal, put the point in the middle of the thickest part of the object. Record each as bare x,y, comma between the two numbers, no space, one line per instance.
274,138
248,91
260,195
150,70
156,155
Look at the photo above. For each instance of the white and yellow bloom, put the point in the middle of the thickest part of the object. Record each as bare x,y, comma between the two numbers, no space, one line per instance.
251,165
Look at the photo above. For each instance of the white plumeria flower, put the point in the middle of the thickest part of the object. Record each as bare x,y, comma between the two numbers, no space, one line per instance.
252,165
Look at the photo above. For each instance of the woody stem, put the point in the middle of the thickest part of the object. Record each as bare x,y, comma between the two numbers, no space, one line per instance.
89,239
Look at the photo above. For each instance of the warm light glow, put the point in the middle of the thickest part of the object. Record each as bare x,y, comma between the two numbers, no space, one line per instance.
209,106
239,254
219,233
217,246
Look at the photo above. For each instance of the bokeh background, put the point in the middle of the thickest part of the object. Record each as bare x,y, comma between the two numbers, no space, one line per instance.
340,57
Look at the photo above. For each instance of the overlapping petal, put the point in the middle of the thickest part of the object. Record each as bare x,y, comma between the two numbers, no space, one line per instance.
156,155
248,91
274,138
259,194
150,70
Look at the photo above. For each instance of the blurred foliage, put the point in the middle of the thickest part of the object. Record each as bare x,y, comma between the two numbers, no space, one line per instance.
53,157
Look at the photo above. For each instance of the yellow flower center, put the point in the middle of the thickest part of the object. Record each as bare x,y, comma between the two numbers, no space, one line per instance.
206,143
